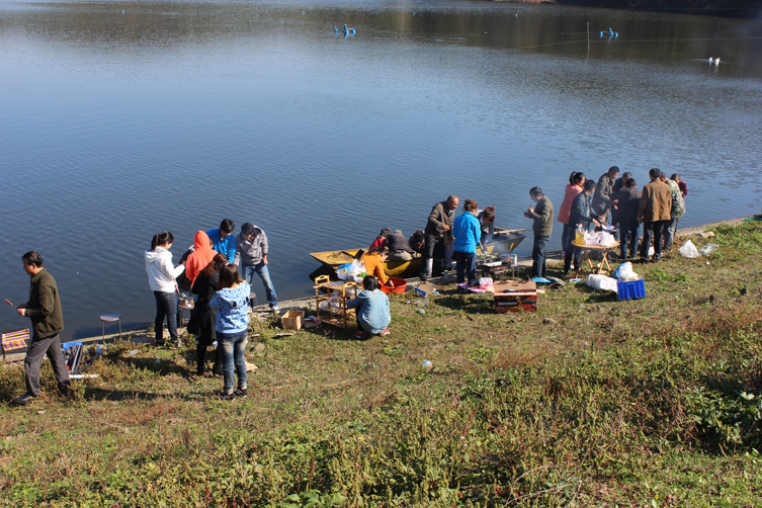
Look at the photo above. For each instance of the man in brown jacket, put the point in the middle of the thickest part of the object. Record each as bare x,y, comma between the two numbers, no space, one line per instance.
438,227
44,309
655,212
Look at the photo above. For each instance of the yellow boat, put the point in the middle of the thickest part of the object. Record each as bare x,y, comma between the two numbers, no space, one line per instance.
503,242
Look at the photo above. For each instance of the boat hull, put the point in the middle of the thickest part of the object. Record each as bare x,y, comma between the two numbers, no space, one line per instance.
504,242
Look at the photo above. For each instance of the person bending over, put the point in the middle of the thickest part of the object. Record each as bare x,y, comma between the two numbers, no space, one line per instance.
374,261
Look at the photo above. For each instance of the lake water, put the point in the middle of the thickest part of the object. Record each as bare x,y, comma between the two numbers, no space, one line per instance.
121,119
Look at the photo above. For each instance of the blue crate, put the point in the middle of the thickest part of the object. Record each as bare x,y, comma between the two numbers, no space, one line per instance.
631,290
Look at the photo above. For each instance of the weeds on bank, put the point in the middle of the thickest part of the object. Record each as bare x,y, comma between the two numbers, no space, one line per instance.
589,401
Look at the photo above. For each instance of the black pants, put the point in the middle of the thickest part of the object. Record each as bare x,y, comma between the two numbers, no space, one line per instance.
201,356
652,231
434,248
33,362
538,255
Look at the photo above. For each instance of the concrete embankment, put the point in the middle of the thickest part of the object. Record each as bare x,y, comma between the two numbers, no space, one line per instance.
262,313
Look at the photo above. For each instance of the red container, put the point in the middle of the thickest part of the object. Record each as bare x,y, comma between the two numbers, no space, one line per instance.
399,286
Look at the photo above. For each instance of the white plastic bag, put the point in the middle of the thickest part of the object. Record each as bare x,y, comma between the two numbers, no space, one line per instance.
625,272
710,247
607,239
602,282
592,238
350,272
689,250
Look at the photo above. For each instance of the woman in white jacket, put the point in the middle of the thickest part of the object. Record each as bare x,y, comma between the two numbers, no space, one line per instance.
161,278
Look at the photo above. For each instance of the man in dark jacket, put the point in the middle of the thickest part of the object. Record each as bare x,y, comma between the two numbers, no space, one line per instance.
627,203
44,309
655,212
399,248
581,213
601,199
438,227
542,215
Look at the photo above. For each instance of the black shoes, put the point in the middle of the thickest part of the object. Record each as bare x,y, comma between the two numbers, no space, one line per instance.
240,392
24,399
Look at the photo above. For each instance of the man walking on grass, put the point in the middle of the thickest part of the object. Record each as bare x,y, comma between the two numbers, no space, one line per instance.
44,309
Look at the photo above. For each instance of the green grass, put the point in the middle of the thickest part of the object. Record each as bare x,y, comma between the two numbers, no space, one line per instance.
634,403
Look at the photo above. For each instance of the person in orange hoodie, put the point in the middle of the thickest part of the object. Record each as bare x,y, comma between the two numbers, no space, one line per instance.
202,255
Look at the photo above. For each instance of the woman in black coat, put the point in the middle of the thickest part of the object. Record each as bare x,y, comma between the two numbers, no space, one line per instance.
201,322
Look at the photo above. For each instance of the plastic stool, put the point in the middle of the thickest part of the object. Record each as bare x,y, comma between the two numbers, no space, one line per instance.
110,318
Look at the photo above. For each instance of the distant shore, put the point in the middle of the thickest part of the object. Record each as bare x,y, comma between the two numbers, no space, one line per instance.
738,9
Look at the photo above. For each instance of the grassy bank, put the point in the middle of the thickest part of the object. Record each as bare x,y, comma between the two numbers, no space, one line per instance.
588,402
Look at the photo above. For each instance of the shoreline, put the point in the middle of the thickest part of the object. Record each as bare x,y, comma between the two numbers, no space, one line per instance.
748,10
141,335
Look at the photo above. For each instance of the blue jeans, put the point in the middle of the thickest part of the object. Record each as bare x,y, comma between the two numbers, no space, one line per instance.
166,307
247,274
629,234
669,232
538,255
466,266
232,354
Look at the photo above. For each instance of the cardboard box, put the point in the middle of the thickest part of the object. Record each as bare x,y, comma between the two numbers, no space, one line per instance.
425,289
513,296
292,320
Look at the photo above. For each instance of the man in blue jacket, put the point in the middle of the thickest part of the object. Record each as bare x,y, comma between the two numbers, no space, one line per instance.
223,240
581,213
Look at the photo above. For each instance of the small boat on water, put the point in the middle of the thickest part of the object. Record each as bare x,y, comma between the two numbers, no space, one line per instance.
503,242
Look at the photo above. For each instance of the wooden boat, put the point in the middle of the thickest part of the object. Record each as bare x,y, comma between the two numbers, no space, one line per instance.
504,242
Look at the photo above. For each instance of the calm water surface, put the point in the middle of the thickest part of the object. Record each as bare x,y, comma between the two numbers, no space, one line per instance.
173,115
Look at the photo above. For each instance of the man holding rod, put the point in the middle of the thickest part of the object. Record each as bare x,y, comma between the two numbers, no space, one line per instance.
44,309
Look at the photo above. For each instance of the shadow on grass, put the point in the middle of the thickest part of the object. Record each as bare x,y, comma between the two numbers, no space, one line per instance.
158,366
114,395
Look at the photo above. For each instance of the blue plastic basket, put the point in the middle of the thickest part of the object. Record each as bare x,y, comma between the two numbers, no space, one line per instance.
631,290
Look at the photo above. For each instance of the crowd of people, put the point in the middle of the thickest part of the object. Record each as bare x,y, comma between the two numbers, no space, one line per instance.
219,268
